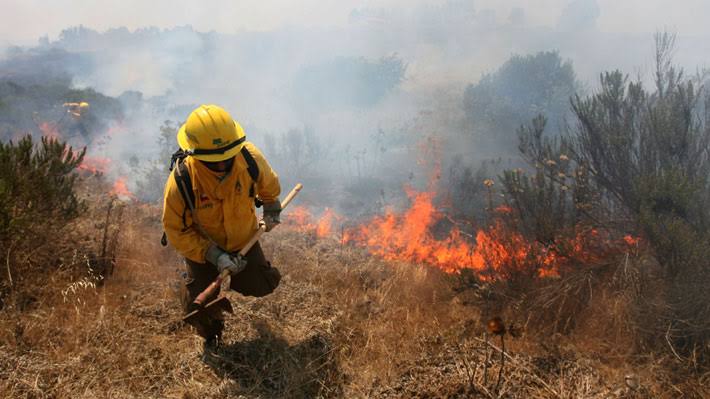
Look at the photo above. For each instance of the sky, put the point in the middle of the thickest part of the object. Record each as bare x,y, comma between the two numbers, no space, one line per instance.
31,19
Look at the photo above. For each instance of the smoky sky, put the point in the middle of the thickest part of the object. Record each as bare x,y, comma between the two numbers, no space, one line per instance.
30,19
268,62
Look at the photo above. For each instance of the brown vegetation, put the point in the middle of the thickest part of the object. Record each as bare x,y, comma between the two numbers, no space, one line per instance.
343,324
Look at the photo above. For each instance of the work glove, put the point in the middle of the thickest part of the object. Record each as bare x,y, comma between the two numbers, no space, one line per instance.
224,261
234,263
272,212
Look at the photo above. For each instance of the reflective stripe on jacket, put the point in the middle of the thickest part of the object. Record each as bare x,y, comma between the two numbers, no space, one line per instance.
224,208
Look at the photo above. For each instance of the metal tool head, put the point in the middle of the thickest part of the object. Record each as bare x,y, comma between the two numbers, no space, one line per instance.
211,311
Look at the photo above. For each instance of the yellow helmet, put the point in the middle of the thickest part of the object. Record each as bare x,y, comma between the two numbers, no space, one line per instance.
210,134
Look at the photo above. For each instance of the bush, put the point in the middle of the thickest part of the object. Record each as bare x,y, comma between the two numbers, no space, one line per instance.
470,198
521,88
645,155
36,183
37,198
557,198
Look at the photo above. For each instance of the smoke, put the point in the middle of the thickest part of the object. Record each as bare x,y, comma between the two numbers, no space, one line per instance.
579,15
354,87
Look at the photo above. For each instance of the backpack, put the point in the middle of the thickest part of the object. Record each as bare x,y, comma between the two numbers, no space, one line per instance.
184,184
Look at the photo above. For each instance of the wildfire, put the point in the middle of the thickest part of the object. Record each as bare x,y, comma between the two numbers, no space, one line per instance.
95,165
423,234
409,237
302,219
496,252
120,189
325,223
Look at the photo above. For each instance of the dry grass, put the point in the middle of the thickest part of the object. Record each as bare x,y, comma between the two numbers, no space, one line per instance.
343,324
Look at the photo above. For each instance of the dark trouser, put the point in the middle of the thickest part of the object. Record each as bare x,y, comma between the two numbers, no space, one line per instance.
258,279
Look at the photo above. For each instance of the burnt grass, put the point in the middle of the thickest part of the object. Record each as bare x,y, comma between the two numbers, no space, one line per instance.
343,324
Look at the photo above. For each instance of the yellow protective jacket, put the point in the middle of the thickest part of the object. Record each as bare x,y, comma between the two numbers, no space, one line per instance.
223,208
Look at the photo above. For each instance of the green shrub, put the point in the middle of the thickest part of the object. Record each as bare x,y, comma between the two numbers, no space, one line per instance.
558,197
641,162
37,183
37,198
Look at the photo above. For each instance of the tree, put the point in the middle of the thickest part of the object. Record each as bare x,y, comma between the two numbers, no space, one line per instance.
520,89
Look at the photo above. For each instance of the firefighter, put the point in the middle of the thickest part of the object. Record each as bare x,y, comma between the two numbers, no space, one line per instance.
209,209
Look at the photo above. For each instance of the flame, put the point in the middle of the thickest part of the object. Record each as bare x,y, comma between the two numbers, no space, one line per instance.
120,189
409,237
302,219
495,252
95,165
49,129
420,235
325,223
504,209
631,241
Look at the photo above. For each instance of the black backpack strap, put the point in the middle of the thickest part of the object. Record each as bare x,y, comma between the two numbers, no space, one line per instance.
253,170
177,158
184,184
252,167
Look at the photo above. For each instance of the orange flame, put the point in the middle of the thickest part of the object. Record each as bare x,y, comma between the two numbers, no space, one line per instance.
325,223
120,189
300,217
504,209
631,241
496,252
303,220
95,164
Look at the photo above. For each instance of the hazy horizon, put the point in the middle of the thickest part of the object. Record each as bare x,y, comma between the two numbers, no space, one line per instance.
27,25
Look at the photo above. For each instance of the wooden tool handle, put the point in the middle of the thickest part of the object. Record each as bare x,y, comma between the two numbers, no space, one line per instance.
262,228
289,197
211,289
